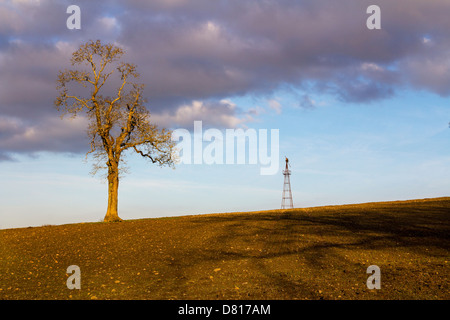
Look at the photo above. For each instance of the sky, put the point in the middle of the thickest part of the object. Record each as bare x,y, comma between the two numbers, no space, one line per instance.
363,114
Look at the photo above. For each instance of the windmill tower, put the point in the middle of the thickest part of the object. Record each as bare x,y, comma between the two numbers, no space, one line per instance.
286,201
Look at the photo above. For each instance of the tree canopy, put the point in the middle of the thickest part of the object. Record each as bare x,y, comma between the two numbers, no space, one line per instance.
105,90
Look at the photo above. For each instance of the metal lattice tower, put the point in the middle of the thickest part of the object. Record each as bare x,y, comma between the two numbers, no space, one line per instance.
286,201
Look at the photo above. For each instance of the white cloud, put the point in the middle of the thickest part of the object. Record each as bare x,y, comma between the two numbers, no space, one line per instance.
66,48
109,22
426,40
223,114
275,105
366,66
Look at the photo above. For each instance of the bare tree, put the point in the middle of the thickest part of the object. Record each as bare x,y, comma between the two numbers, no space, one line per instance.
118,119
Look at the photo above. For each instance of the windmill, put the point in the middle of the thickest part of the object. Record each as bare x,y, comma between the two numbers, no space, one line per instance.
286,201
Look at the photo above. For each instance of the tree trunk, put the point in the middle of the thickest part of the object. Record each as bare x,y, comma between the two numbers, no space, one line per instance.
113,190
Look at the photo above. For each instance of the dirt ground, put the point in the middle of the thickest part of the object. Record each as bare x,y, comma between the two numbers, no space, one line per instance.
313,253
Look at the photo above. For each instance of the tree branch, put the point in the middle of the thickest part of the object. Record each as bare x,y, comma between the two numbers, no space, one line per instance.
144,154
83,101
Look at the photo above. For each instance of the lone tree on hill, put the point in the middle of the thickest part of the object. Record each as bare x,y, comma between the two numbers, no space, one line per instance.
114,108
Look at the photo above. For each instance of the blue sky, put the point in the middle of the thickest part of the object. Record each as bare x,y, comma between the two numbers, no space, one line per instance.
362,116
340,153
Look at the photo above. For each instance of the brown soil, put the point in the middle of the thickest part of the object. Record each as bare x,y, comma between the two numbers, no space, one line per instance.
312,253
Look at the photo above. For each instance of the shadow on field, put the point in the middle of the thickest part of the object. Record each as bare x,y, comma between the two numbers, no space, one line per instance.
281,244
312,253
376,229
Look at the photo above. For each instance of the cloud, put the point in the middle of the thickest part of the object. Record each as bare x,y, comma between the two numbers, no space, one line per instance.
193,55
275,105
218,49
307,102
431,72
218,114
52,134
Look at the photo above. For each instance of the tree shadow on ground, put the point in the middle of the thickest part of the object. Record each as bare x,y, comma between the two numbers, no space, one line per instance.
321,237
